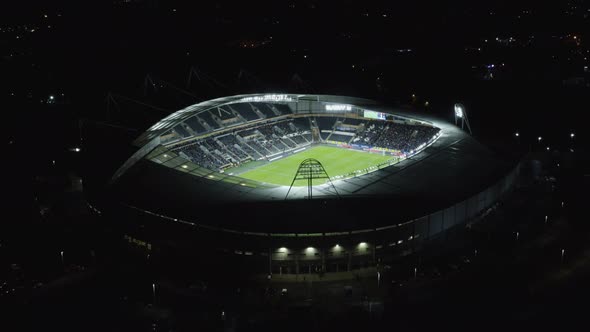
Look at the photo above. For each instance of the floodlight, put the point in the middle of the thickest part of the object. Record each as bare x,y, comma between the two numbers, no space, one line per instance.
458,111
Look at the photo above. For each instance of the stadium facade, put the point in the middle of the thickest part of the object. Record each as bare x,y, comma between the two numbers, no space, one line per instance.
182,190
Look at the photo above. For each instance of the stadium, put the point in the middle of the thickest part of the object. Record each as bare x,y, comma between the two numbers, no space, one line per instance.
289,184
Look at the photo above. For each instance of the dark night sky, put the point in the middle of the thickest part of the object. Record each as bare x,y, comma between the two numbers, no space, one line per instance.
516,65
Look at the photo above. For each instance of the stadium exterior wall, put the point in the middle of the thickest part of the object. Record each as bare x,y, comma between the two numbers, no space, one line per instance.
309,253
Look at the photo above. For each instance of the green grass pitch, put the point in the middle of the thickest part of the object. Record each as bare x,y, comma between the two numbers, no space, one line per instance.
336,161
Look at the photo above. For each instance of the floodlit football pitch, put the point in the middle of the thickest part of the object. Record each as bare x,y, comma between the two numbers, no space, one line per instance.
336,162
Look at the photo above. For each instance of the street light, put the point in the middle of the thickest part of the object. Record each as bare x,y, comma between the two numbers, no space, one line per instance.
572,135
458,111
539,138
516,134
154,292
62,258
562,253
461,113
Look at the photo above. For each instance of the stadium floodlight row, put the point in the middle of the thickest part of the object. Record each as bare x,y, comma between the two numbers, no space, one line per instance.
216,174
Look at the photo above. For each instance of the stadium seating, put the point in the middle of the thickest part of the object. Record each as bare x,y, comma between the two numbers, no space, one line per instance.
370,134
181,131
340,138
197,155
404,137
209,119
264,140
283,108
354,122
194,124
230,142
299,139
265,109
245,110
325,123
223,113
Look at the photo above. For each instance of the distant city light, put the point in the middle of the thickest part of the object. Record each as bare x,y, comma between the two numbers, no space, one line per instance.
572,135
51,97
539,138
517,134
547,148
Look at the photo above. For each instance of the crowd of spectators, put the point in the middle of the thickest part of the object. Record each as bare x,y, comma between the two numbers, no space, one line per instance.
230,142
197,155
269,139
404,138
370,134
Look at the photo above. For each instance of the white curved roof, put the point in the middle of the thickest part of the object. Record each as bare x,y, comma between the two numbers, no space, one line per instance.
179,116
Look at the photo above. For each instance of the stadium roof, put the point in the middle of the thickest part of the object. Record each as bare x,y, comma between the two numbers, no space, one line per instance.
175,118
150,139
452,169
